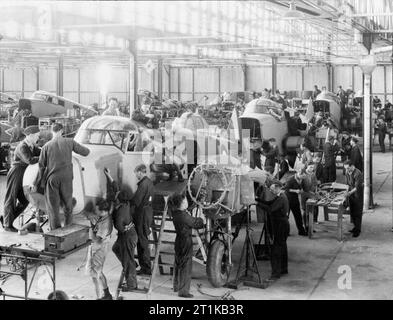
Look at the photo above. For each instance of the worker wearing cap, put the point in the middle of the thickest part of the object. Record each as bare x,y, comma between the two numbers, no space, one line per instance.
329,159
354,179
26,153
143,217
294,188
356,156
56,174
345,146
278,209
381,130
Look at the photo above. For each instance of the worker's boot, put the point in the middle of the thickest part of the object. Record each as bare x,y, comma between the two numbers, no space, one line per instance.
107,295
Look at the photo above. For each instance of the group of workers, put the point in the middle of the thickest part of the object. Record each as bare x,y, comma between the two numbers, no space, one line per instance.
132,217
54,178
291,191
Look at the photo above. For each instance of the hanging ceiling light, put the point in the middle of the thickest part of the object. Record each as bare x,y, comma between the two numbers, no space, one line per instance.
292,13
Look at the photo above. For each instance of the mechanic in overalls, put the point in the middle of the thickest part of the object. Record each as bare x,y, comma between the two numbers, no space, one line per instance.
56,174
26,153
143,217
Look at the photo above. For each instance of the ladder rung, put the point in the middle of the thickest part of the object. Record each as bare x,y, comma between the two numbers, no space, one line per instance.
162,242
167,253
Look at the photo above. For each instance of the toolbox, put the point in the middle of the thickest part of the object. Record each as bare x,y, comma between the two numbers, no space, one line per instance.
66,239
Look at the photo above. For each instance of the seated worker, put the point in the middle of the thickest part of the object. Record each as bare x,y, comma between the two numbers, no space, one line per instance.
126,241
293,189
184,223
278,211
100,234
309,184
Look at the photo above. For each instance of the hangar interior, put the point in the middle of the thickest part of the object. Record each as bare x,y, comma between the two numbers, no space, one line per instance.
195,51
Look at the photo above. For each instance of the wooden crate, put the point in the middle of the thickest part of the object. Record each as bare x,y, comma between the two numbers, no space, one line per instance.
66,239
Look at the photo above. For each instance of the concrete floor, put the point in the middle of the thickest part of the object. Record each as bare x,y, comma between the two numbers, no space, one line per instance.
313,264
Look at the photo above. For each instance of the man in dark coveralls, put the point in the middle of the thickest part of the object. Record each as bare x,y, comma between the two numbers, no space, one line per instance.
293,188
354,179
26,153
330,149
127,238
143,217
355,155
184,223
56,175
278,209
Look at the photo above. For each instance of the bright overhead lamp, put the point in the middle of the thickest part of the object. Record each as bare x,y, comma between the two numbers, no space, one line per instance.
87,37
158,46
74,36
28,31
165,46
120,43
292,13
193,50
141,45
180,49
149,45
11,29
110,41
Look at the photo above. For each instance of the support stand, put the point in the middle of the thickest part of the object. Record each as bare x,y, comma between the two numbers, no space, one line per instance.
265,254
244,274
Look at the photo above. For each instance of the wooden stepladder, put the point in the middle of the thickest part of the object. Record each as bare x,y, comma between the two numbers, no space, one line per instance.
158,243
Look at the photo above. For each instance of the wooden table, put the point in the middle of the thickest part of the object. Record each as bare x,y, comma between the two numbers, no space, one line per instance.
336,207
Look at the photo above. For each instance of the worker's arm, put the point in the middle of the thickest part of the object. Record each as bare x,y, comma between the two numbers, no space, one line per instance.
42,163
79,149
26,155
195,223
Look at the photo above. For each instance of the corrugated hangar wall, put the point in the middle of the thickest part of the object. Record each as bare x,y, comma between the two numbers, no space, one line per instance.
189,84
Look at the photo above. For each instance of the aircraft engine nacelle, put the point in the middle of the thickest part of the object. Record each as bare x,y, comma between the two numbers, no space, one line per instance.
38,199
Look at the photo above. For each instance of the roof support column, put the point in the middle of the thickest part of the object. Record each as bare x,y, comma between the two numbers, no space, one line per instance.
368,65
302,78
23,82
79,85
60,73
37,73
193,84
245,77
274,74
2,79
159,80
169,82
133,75
330,77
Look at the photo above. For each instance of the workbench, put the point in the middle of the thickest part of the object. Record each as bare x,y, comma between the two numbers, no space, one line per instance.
28,253
335,207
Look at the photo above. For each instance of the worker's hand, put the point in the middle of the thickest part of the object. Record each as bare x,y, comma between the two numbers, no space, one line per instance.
33,188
